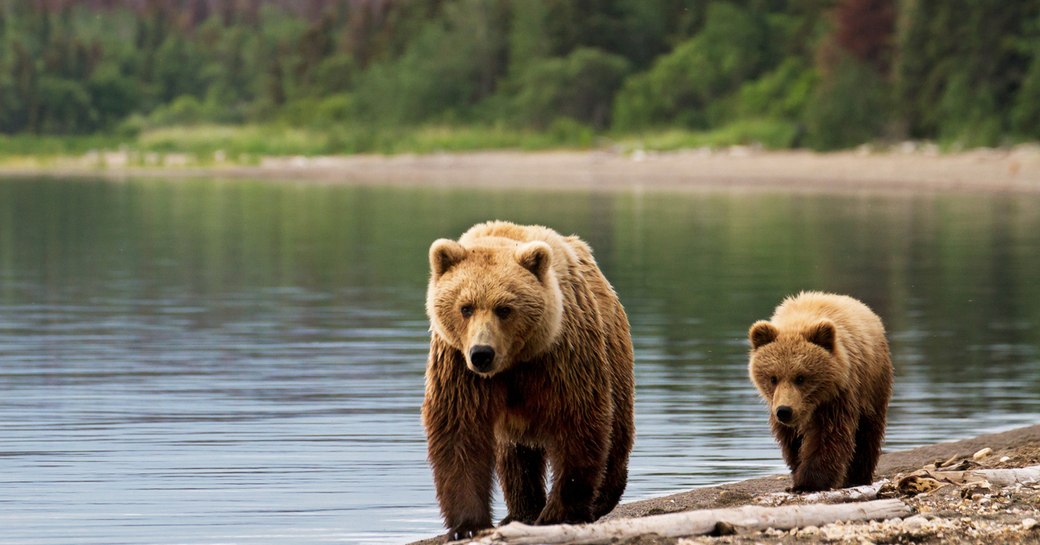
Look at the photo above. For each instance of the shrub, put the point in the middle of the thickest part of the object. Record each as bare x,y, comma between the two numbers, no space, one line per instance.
851,105
580,86
682,84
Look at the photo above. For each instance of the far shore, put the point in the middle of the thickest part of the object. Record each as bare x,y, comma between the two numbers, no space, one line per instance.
908,169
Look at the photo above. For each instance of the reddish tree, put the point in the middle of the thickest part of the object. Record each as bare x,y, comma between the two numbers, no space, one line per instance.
865,29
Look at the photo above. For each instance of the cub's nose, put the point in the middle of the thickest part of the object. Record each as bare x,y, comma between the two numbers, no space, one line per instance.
784,414
482,356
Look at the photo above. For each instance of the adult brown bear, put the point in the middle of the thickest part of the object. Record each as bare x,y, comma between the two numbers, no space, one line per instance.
530,361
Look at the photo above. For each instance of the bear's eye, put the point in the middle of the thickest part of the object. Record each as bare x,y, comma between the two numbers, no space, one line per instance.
466,310
773,380
503,312
799,380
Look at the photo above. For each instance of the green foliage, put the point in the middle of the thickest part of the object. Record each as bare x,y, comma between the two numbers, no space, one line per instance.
366,75
961,67
453,63
682,84
580,86
782,93
851,106
64,105
1025,113
528,39
113,94
29,145
768,133
327,112
968,113
184,110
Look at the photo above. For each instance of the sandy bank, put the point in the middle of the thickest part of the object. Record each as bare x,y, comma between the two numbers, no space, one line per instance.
1014,170
1021,446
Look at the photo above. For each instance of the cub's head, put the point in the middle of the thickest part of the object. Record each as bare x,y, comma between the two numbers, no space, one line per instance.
498,303
795,371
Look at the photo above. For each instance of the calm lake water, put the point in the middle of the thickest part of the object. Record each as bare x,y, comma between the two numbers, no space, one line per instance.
212,362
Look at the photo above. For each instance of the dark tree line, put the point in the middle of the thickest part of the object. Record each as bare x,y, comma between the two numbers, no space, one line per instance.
824,73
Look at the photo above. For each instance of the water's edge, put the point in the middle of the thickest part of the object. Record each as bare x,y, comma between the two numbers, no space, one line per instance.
738,493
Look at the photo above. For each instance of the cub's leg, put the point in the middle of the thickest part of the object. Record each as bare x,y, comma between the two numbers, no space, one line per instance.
790,443
869,435
826,449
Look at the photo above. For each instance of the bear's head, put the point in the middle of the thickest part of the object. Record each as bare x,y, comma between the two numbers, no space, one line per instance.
499,302
796,371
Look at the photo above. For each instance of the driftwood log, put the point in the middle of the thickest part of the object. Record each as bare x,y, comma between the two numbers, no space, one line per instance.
926,480
999,477
701,522
843,495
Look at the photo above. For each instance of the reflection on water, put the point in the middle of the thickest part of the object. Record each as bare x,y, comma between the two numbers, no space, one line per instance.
241,362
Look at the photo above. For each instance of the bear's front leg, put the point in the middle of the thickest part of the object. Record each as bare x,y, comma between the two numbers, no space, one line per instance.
826,449
521,473
579,461
461,449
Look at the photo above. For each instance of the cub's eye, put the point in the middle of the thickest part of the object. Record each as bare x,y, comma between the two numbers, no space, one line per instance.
774,380
466,310
799,380
503,312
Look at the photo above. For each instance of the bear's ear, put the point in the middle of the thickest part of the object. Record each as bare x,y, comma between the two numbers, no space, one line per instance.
823,334
445,254
762,333
535,256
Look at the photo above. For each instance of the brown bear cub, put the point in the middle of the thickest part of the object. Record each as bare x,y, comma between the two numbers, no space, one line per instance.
530,362
822,364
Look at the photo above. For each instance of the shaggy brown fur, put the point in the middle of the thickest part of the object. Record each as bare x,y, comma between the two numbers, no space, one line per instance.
530,362
823,365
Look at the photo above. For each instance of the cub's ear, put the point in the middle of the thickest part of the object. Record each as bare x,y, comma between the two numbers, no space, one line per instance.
823,334
762,333
445,254
535,256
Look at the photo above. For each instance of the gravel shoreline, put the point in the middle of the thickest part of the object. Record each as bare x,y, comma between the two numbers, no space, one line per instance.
916,169
944,516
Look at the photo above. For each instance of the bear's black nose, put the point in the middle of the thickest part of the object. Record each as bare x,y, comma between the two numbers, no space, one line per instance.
784,413
482,356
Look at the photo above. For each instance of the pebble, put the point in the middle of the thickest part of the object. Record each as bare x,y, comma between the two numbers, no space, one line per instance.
982,454
833,533
808,531
1005,459
1029,523
915,522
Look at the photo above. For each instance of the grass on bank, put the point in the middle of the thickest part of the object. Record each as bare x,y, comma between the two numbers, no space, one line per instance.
245,144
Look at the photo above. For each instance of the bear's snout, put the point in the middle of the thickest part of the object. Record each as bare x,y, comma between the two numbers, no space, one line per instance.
482,358
784,414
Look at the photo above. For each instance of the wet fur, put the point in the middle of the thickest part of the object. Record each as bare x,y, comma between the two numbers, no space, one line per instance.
837,346
561,396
